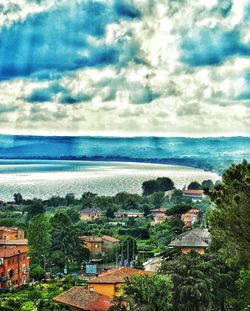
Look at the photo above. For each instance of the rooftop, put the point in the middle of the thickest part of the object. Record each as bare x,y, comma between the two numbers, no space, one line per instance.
80,298
191,211
110,239
90,210
94,239
161,210
195,192
116,275
194,238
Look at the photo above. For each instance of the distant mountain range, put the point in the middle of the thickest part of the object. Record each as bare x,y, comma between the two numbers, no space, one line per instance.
211,153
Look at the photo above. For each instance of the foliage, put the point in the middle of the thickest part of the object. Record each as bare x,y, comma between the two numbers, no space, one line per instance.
149,292
230,219
37,273
200,281
36,297
58,260
161,184
65,239
243,285
18,198
207,184
179,209
39,238
35,208
195,185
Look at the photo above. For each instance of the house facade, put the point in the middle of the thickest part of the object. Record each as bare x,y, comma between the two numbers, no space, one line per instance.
190,217
192,240
14,260
90,214
99,245
129,214
102,288
195,195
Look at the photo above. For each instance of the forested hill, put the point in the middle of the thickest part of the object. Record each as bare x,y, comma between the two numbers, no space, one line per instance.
207,153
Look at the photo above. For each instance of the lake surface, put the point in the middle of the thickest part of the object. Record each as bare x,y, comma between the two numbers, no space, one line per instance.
44,178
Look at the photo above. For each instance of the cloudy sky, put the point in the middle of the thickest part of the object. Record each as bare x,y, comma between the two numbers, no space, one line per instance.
125,67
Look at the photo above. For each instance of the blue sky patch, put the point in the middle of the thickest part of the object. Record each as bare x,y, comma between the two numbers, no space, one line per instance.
57,40
212,47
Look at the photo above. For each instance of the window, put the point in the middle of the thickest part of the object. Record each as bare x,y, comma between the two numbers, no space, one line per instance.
96,245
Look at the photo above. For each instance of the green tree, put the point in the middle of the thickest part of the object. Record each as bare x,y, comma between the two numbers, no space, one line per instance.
65,238
37,273
146,209
164,184
70,198
110,213
195,185
39,238
149,292
87,199
230,219
157,199
18,198
149,187
200,281
36,208
73,214
179,209
58,260
243,285
207,184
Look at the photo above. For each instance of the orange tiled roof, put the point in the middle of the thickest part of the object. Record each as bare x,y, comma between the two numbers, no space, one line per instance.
79,297
196,192
110,239
116,275
93,239
102,303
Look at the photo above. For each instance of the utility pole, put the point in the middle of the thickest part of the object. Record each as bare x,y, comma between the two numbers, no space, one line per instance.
122,254
128,251
44,262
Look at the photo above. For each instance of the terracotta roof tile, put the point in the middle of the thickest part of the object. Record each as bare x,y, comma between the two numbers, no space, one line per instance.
116,275
110,239
195,192
80,298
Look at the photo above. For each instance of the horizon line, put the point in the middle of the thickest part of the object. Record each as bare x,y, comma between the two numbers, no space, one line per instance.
124,136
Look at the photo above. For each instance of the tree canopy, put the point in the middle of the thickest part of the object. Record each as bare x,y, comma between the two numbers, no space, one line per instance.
149,292
230,219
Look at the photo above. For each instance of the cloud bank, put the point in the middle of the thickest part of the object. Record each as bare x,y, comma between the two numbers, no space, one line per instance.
125,67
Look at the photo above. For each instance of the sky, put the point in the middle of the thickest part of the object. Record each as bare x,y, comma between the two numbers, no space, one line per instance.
125,67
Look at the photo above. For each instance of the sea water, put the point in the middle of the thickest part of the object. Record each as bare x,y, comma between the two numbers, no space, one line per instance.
45,178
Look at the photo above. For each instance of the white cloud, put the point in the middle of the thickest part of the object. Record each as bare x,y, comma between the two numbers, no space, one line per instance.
188,100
